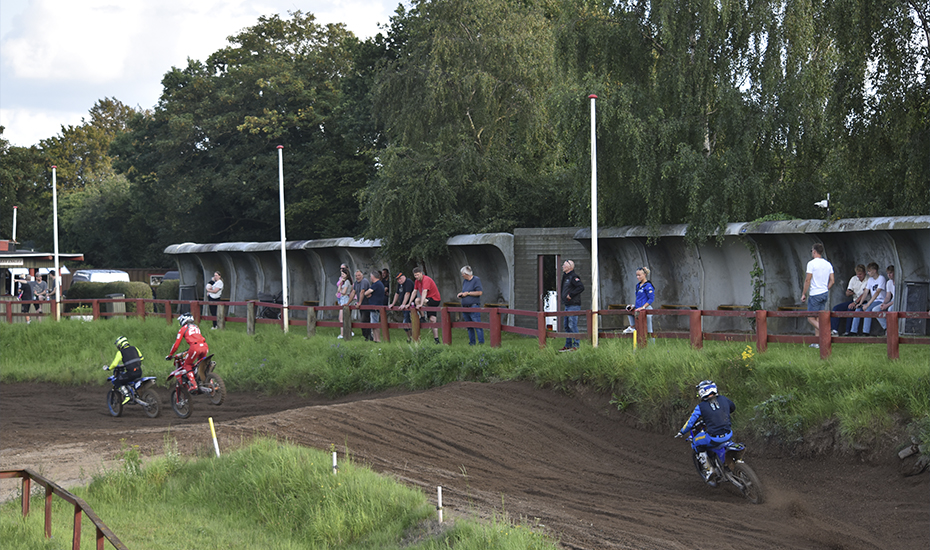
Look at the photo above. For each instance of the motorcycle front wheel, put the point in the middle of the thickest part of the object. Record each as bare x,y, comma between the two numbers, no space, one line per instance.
181,401
751,487
218,387
115,402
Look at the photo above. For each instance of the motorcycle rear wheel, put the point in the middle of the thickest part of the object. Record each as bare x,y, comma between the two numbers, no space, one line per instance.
153,409
215,383
181,401
115,402
752,488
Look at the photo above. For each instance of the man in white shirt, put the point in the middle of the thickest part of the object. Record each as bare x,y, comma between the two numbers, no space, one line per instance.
817,286
214,293
855,291
888,304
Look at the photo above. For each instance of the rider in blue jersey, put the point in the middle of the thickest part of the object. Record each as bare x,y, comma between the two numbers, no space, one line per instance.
715,411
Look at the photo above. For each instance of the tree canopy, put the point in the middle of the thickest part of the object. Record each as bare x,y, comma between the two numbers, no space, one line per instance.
465,117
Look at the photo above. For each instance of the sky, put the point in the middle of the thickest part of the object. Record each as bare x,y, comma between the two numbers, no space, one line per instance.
58,57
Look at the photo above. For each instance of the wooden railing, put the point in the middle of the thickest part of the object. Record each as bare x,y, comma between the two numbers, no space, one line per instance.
325,316
80,508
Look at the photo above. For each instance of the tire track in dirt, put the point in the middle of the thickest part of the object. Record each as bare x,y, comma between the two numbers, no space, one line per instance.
573,465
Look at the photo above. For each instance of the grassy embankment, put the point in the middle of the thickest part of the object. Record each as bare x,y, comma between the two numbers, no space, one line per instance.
265,495
783,394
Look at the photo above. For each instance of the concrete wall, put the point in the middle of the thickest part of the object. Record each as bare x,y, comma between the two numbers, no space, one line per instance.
717,272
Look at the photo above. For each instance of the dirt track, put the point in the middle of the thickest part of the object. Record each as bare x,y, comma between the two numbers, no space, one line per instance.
571,464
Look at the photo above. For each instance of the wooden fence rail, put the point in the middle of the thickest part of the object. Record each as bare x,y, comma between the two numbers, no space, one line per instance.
326,316
80,508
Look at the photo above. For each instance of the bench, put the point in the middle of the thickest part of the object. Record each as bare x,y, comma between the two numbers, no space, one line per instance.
733,307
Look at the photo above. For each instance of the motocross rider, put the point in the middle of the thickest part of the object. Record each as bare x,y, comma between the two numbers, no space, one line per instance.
715,411
129,370
197,347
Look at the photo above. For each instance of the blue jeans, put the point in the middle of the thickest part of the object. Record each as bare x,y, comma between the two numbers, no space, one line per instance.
648,321
838,324
867,324
571,325
473,317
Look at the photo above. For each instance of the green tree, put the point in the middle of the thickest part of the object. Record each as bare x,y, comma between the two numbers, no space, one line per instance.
462,102
206,158
23,184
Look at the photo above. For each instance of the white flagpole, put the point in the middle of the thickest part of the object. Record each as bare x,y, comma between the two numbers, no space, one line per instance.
595,299
283,246
55,231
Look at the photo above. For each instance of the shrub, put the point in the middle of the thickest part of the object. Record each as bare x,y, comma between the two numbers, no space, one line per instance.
131,290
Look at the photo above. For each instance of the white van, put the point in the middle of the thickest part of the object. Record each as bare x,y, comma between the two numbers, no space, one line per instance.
99,276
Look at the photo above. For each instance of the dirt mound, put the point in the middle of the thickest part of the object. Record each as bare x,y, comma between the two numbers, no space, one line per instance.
571,466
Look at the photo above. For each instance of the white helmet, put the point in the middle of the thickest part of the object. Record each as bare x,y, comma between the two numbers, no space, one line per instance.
706,388
185,318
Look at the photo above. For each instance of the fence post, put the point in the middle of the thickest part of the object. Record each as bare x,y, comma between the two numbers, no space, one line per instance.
196,308
589,318
695,328
9,312
891,334
140,308
541,327
639,320
96,310
346,323
250,317
48,510
762,330
494,316
311,321
415,324
168,311
76,536
446,320
385,330
825,338
221,316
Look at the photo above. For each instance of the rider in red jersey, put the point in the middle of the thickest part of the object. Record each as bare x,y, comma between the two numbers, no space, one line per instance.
197,347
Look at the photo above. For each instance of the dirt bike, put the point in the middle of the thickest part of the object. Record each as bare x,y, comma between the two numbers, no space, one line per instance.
141,391
726,464
179,390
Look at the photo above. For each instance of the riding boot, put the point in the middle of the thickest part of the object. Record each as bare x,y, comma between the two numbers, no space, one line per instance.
705,464
193,382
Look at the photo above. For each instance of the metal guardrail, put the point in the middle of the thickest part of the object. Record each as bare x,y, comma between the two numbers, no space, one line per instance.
80,508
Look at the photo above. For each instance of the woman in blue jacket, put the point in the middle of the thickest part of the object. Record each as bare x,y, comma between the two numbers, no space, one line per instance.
645,296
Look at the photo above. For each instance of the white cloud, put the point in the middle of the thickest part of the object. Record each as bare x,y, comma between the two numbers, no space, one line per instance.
58,57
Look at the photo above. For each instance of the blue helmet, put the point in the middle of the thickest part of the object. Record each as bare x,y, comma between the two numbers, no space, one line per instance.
706,388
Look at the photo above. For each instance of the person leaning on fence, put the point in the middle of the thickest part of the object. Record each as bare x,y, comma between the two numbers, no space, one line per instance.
376,297
360,297
888,304
471,297
817,285
404,293
571,289
25,294
426,293
855,291
645,297
214,293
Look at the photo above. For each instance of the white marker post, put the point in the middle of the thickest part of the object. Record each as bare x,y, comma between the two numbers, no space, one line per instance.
283,247
55,232
335,467
216,445
439,503
595,298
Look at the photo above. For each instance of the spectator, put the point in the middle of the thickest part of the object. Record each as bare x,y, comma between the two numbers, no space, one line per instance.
571,289
376,297
817,283
360,296
888,304
52,284
875,288
426,293
214,293
39,291
386,281
26,295
645,297
855,291
343,289
404,292
471,297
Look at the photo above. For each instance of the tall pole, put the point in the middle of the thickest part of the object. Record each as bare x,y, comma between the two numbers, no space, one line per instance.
55,231
283,246
14,222
595,299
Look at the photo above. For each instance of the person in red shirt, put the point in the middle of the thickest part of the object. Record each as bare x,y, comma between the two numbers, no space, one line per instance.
197,347
426,293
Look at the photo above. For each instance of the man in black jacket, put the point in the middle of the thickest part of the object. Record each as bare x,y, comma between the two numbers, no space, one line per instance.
571,290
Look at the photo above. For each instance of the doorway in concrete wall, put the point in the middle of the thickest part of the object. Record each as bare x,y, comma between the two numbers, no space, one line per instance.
549,273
